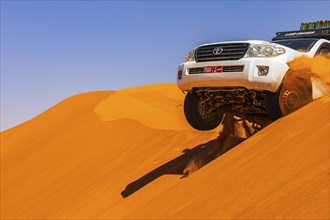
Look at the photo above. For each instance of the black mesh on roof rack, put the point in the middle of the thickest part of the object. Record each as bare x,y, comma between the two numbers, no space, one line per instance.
316,33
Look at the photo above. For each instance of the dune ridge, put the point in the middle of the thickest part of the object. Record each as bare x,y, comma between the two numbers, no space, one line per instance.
98,156
153,106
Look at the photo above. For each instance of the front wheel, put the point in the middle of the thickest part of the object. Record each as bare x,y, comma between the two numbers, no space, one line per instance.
294,92
201,114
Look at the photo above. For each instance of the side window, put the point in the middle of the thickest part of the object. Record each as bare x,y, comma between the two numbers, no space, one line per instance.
324,49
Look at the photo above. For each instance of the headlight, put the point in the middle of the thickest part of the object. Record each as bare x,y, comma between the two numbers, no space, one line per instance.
190,56
264,50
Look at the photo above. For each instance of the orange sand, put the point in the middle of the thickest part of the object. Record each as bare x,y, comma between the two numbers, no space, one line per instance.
76,160
318,68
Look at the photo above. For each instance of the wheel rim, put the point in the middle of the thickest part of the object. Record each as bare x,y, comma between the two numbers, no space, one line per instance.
290,101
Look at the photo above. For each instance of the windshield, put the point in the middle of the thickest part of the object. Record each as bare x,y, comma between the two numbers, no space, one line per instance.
302,45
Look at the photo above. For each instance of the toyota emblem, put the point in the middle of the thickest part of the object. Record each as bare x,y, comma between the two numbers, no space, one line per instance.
217,50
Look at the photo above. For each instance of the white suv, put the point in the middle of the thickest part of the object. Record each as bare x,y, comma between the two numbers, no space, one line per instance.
247,78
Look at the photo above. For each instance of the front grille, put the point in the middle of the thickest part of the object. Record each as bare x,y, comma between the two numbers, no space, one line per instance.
196,71
229,69
233,51
226,69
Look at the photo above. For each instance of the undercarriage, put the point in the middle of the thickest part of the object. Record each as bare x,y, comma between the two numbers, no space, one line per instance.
237,100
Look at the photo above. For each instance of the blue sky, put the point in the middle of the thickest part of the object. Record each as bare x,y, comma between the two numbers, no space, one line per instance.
51,50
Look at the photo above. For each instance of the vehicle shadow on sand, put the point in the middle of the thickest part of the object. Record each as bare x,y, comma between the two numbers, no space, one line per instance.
193,159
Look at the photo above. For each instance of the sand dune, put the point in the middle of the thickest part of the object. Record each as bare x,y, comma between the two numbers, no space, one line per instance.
152,106
123,154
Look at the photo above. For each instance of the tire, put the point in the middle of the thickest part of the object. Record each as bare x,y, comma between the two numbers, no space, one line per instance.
192,110
294,92
272,105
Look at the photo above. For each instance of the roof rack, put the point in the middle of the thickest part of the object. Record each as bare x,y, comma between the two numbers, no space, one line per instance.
317,29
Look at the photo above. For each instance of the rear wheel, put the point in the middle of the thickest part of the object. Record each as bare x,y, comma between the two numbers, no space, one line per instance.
201,113
295,91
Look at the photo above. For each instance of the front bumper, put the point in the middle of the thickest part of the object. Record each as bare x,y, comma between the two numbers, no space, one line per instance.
249,77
